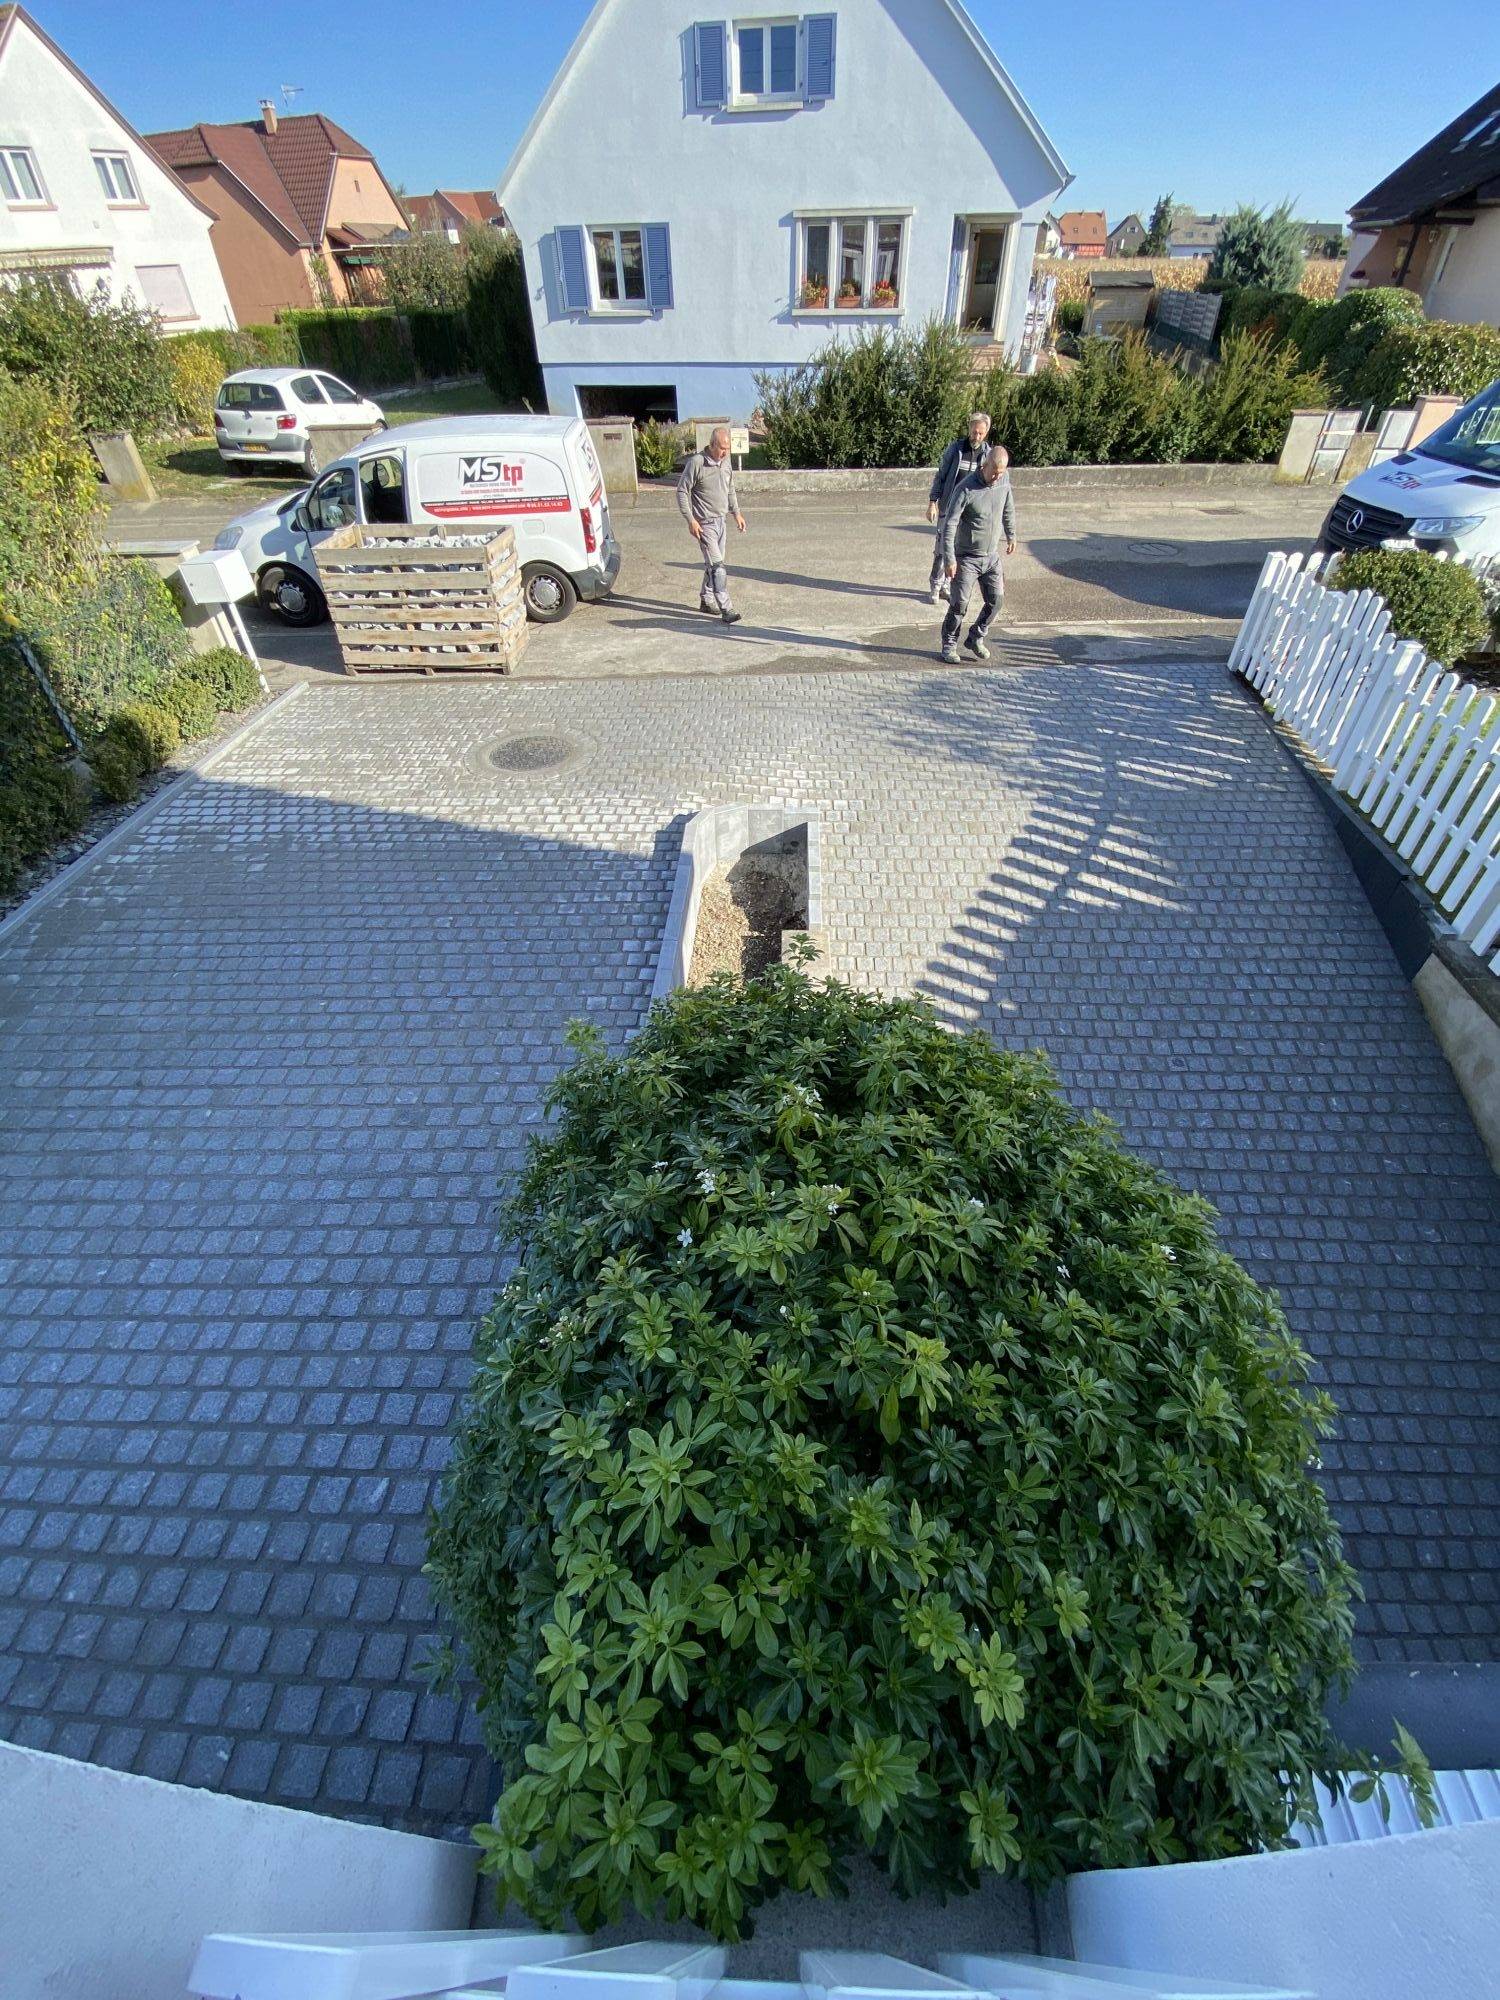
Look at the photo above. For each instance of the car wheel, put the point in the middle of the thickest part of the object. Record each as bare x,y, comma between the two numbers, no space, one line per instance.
312,459
291,595
549,592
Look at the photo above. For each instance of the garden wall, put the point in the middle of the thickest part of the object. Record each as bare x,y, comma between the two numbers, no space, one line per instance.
124,1876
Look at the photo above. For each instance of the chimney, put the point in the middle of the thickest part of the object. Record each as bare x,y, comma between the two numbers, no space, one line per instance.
268,117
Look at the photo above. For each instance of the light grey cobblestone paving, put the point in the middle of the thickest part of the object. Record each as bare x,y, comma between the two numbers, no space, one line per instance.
267,1062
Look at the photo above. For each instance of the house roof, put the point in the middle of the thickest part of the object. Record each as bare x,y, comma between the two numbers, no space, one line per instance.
1462,161
10,16
1082,225
288,171
1196,232
960,14
1125,222
431,211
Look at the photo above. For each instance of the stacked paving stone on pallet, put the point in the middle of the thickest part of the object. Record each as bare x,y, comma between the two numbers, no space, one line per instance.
408,599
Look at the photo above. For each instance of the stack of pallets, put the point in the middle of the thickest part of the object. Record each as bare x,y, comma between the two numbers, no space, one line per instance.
412,599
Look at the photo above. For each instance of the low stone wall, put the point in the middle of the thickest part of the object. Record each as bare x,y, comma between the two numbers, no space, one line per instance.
1412,1914
112,1881
1027,479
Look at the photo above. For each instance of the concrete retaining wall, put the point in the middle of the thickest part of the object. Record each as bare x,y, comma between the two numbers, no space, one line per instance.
717,838
1036,480
1416,1914
111,1881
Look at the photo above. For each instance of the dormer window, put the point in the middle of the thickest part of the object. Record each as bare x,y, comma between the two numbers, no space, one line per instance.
772,62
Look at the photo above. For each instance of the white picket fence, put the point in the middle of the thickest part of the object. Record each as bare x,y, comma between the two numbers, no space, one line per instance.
1415,748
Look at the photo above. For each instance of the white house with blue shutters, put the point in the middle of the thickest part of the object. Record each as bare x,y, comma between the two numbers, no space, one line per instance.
701,200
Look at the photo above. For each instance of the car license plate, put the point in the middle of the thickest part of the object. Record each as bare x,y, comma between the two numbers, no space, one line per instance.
249,444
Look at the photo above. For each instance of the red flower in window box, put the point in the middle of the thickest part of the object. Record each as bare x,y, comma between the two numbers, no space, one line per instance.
814,296
885,294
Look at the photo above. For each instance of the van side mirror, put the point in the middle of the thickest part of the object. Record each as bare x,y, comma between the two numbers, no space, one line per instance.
300,520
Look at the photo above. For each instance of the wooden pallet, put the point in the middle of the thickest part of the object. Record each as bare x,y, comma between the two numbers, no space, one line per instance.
419,599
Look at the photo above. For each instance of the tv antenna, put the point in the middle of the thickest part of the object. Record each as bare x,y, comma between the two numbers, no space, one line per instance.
289,91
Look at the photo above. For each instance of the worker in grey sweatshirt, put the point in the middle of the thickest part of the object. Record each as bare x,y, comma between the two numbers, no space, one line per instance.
980,514
961,458
708,501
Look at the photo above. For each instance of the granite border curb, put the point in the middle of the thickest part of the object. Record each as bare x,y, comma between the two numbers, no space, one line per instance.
710,838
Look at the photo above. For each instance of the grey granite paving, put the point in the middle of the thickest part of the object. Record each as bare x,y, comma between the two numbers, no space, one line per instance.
266,1063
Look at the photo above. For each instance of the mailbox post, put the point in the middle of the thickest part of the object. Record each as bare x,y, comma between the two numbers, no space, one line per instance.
218,579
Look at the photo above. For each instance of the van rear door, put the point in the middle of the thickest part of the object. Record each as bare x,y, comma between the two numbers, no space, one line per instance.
593,501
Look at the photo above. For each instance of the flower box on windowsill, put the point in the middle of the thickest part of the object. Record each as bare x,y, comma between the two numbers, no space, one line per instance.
846,312
885,298
814,299
850,302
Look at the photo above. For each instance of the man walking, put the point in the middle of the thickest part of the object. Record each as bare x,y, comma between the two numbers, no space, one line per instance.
979,514
706,496
960,459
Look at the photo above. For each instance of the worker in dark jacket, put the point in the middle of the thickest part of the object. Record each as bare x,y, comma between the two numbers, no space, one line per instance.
980,516
959,460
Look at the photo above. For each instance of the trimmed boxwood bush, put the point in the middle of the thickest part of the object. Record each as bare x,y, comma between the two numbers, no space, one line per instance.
869,1454
228,679
658,449
1341,337
1439,604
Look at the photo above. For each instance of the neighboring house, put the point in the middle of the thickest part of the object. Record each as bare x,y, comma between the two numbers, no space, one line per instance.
1434,224
1324,239
1195,235
450,211
1126,238
699,200
302,209
1049,237
84,199
1083,232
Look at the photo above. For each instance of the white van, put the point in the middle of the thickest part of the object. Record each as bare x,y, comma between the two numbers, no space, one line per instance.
538,475
1443,496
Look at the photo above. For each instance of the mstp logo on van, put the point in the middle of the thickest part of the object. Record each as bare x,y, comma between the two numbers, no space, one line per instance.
457,484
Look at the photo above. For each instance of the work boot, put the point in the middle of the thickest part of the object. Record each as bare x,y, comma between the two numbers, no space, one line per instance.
976,645
950,655
712,610
730,617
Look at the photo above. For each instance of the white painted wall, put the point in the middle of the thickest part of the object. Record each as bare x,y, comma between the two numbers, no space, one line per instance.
43,106
111,1881
1413,1915
917,121
1469,287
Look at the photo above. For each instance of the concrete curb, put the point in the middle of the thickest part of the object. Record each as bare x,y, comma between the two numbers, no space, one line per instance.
712,838
1027,479
133,822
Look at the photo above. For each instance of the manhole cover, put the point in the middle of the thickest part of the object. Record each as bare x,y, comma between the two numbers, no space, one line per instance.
1152,549
534,753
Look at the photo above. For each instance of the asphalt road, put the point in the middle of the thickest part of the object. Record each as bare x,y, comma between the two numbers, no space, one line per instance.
837,581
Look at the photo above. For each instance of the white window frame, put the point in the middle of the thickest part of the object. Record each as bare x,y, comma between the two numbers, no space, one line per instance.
8,157
835,219
767,99
107,166
598,303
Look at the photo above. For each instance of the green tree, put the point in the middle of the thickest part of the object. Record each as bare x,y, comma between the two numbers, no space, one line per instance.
107,361
1159,228
1260,247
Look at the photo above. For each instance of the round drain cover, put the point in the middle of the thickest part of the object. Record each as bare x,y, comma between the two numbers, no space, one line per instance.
534,753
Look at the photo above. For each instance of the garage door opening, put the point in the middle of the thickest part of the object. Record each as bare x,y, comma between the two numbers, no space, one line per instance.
639,403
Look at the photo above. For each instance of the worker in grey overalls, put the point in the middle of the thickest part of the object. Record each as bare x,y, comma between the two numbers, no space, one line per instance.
706,496
958,461
980,514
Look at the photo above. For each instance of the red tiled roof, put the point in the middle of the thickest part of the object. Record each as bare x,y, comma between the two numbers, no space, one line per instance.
478,205
1080,226
289,171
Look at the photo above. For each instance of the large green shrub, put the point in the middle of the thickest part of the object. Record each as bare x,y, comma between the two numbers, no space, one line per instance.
227,677
199,361
1439,604
367,346
1430,358
1259,247
108,637
885,397
869,1454
1031,414
108,361
41,800
658,449
501,335
1342,336
1243,406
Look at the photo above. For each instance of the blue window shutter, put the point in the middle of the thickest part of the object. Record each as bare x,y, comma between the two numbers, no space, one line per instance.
711,55
820,39
658,267
572,270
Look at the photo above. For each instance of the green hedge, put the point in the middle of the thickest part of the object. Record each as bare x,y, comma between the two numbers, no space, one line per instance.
1342,336
1439,604
40,799
370,347
501,334
1436,358
108,362
881,398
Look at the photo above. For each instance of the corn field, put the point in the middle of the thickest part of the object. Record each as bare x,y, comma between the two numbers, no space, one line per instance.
1320,279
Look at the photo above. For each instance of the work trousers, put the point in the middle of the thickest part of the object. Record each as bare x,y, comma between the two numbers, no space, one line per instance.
987,573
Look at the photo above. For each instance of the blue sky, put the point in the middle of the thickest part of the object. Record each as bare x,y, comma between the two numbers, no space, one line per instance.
1220,101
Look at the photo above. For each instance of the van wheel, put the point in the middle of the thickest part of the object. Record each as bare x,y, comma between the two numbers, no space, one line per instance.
550,594
291,595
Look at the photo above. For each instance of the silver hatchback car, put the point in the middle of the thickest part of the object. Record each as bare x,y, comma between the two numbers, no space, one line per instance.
287,414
